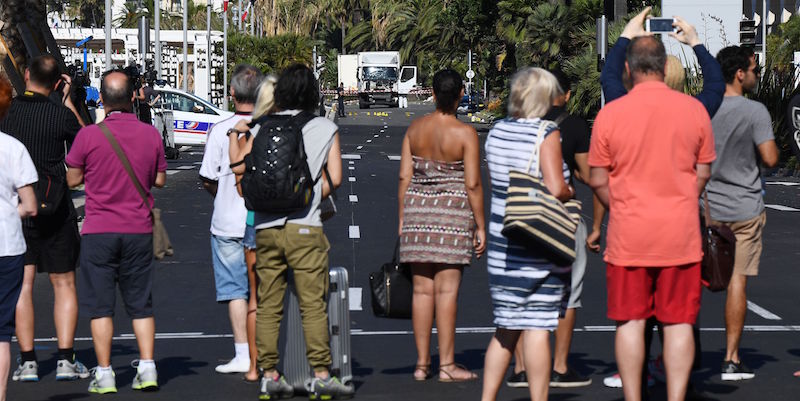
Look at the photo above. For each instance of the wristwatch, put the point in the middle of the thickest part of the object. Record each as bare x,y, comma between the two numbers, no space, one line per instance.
232,131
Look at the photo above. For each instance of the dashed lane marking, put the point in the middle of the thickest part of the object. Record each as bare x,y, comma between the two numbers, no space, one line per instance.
784,183
782,208
359,147
355,232
460,330
171,172
351,179
394,157
369,140
761,311
185,167
351,157
351,162
354,295
354,198
376,135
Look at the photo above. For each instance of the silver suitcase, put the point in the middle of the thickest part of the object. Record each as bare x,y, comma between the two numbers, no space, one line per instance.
295,364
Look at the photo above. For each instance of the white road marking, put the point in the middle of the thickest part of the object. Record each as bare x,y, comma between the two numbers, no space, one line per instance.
394,157
355,232
782,208
185,167
761,311
351,157
354,198
351,179
351,167
359,147
351,162
355,298
198,163
369,140
184,148
376,135
171,172
784,183
460,330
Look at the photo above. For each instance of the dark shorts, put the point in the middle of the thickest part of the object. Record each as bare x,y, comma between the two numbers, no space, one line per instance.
11,271
53,248
108,259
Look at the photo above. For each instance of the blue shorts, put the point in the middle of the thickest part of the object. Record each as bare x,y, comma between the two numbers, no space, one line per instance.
230,269
11,271
250,238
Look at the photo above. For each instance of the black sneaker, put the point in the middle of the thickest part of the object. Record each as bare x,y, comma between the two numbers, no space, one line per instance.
732,371
517,380
570,378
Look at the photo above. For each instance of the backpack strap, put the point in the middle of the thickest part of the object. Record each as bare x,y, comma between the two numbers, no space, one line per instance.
302,118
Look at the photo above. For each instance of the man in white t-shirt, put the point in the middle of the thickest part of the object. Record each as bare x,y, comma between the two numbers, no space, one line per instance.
230,215
17,200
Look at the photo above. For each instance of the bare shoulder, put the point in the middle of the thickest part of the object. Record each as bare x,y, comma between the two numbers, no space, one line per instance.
464,131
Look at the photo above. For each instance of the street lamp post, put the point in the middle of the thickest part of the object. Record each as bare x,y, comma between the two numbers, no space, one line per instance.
157,11
185,45
108,34
225,58
208,52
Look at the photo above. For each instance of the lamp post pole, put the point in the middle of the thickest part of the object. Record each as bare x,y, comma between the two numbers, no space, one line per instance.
108,34
225,58
185,45
157,15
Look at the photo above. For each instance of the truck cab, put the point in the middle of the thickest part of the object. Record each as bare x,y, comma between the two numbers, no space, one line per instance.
381,79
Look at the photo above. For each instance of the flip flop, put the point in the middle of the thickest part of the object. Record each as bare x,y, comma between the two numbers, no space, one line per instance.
451,379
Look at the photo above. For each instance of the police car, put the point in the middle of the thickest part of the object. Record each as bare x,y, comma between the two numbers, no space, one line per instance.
193,115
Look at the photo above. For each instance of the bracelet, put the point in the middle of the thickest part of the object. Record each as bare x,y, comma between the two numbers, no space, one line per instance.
232,131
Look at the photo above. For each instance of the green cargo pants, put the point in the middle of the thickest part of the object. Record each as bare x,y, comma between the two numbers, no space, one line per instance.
304,249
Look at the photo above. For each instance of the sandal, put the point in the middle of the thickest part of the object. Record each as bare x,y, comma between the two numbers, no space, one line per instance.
426,369
452,379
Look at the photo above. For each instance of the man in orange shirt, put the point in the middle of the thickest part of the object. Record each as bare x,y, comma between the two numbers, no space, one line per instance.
650,156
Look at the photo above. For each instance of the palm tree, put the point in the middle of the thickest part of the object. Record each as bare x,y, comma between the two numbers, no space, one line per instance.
549,34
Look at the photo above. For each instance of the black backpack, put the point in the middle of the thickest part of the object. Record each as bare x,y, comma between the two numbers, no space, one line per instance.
277,179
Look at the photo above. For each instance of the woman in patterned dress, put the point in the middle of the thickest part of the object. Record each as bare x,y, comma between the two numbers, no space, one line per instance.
441,221
529,293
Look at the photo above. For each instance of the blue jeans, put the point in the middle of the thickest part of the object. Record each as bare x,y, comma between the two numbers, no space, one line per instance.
230,269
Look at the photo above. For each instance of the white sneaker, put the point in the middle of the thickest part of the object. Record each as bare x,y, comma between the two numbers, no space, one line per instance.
615,381
236,365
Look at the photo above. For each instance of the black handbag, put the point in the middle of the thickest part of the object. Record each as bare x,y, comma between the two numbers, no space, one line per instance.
50,190
392,289
719,252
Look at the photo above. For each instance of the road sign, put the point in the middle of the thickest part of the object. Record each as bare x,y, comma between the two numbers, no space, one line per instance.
470,74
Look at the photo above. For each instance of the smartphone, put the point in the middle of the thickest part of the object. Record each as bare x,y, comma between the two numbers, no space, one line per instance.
660,25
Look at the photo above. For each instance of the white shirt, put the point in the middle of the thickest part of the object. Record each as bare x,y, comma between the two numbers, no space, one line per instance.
230,215
16,171
318,137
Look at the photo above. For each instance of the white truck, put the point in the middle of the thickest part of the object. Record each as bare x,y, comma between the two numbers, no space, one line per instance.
379,77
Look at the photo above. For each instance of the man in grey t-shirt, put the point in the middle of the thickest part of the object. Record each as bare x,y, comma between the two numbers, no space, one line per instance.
743,136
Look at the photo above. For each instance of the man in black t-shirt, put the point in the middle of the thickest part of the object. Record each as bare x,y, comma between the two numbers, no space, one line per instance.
575,135
45,124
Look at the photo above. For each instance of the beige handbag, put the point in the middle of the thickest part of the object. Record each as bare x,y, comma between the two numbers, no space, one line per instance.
161,244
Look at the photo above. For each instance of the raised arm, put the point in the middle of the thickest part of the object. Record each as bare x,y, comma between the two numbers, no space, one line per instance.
713,82
611,77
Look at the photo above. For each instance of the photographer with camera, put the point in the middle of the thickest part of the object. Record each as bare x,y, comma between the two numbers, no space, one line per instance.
44,126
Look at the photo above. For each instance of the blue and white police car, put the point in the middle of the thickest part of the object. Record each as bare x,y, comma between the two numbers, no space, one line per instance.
193,115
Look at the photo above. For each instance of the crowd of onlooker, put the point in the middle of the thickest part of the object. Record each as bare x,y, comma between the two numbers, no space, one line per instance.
652,153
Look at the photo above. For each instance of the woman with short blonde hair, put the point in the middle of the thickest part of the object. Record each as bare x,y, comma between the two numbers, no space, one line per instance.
529,292
532,93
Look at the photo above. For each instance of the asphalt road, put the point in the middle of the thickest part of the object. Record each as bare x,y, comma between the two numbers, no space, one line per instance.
194,332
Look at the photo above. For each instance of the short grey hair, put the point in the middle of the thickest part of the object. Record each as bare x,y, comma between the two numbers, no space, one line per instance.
533,90
245,82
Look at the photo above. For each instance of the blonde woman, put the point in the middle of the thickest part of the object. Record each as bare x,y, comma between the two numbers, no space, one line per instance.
239,147
529,293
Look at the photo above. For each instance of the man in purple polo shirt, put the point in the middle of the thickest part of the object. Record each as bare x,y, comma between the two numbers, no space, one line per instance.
117,235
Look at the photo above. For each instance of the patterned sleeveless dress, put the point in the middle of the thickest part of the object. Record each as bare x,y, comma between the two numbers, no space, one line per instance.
438,226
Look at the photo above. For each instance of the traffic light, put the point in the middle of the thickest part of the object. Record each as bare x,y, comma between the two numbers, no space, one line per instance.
747,32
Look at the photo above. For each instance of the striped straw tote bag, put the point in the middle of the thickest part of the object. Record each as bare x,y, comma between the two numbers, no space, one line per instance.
538,219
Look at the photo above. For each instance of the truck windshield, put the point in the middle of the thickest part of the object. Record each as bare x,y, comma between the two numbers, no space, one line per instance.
379,74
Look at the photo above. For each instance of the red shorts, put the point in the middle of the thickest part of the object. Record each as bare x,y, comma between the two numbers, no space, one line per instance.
671,294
